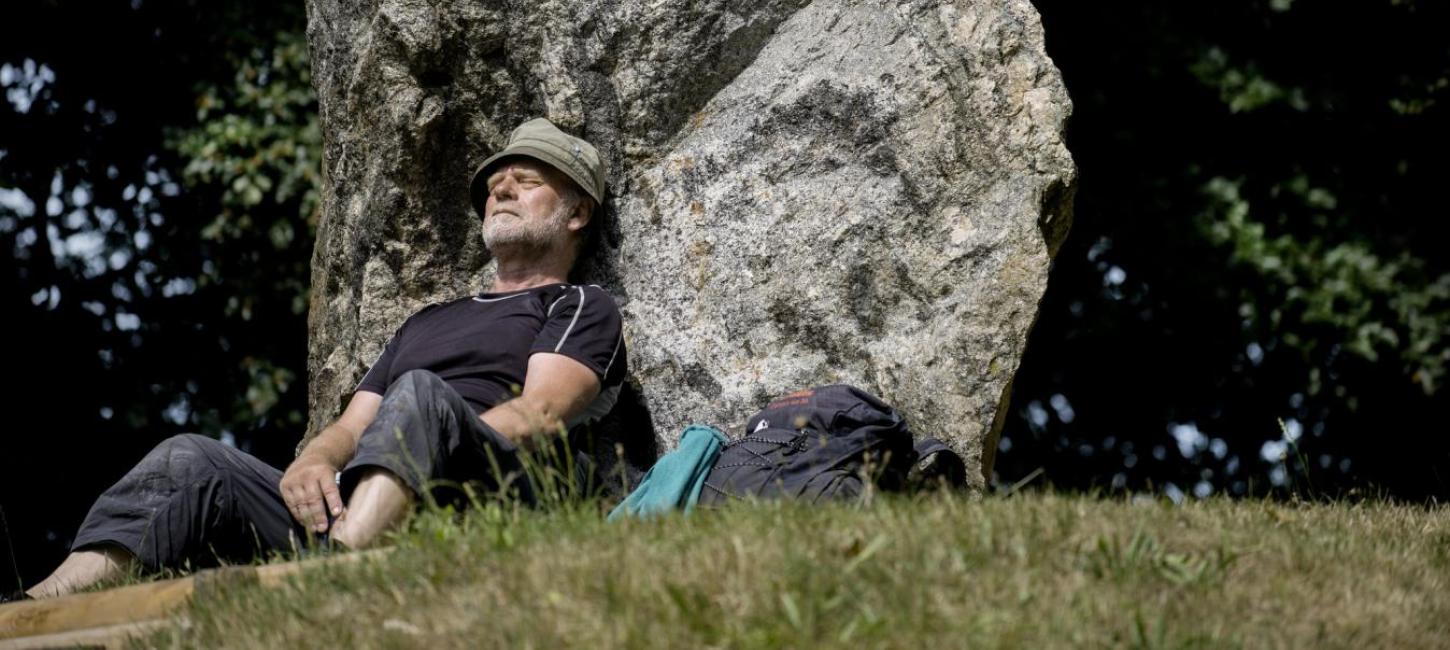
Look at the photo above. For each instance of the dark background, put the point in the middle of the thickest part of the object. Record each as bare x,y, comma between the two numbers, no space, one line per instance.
1253,301
1259,237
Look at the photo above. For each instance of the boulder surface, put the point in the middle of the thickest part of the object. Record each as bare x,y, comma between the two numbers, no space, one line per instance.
800,192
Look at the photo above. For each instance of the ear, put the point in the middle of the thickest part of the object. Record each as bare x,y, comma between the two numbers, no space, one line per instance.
582,214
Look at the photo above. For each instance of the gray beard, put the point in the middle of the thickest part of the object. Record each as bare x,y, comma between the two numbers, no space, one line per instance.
529,239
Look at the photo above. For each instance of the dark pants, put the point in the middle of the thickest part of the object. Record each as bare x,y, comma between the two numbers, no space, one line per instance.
193,499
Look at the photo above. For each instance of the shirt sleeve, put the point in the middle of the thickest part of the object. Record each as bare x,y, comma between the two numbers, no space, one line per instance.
376,379
584,324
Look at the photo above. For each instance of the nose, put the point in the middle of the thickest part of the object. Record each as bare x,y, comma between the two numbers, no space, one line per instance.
505,188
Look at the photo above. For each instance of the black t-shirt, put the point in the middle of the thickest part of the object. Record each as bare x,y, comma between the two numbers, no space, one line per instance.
481,345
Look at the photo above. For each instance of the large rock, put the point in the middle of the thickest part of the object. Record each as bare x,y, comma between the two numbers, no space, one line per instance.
802,192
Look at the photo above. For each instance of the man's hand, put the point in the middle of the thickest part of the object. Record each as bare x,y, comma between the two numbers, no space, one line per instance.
310,490
309,487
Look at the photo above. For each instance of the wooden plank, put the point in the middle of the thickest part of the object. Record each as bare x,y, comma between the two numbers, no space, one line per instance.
145,603
109,637
96,609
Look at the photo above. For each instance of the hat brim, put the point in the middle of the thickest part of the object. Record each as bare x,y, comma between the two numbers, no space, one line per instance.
478,186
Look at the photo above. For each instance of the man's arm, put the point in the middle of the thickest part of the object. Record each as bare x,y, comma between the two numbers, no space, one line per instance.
310,483
556,389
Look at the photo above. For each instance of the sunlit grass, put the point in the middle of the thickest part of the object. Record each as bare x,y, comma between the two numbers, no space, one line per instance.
1028,571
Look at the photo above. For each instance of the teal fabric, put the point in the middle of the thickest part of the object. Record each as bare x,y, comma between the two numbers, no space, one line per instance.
676,479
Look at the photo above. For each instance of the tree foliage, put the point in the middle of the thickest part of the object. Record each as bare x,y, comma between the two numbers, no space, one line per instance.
253,153
158,195
1254,294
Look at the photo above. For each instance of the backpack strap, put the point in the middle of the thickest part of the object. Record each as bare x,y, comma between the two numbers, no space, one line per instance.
937,465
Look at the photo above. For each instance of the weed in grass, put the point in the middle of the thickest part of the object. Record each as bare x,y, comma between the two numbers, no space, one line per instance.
1147,636
1143,556
1303,465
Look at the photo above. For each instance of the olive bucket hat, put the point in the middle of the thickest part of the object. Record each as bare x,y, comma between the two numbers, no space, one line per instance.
541,140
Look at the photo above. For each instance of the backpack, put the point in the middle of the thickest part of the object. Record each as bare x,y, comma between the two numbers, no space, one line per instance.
825,443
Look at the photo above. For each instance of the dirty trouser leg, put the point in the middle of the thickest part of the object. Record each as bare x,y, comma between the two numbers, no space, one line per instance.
427,435
193,499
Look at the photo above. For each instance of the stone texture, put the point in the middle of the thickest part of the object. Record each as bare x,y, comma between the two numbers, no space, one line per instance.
802,192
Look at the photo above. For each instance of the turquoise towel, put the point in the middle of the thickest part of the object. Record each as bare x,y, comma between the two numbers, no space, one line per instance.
677,477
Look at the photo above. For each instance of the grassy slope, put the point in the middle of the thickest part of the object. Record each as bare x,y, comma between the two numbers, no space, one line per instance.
1026,571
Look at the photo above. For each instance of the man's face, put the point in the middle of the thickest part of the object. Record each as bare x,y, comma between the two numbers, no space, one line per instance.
525,210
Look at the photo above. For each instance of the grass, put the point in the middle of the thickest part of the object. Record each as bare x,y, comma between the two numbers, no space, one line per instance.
1032,570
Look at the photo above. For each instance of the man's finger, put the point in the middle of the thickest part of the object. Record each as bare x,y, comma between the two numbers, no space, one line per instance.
313,507
293,499
332,495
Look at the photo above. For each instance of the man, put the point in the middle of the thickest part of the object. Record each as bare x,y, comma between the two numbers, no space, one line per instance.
457,389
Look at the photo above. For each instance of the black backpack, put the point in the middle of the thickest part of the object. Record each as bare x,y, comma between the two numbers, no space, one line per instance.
824,443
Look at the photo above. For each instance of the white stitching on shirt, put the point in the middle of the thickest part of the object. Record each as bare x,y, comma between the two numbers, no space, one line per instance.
613,354
477,299
551,305
578,311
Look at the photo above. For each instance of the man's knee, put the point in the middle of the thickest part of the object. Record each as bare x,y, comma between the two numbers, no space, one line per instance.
187,456
415,405
417,392
418,382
